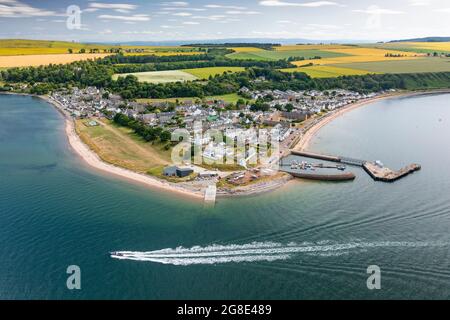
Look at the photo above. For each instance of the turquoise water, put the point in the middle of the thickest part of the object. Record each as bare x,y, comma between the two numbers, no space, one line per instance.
304,241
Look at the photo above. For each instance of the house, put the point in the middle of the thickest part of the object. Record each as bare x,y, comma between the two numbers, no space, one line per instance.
177,172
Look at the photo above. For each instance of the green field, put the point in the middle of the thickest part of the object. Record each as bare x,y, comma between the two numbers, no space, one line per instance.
403,66
179,75
121,147
228,98
279,55
160,76
328,71
205,73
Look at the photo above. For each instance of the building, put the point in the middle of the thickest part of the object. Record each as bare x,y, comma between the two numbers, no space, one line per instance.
177,172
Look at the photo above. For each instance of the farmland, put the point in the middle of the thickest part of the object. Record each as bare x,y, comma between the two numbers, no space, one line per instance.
265,55
180,75
205,73
46,59
329,71
404,66
160,76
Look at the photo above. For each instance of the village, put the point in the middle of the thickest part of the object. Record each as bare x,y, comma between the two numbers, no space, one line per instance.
282,110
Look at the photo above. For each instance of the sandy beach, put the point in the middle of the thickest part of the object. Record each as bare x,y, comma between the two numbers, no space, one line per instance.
94,161
310,133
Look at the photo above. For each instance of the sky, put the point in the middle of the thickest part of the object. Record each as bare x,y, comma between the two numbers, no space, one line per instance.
159,20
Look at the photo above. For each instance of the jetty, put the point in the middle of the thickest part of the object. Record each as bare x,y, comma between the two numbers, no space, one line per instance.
210,194
375,169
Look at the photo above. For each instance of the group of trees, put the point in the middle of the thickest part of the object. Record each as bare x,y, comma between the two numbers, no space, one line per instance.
259,75
149,134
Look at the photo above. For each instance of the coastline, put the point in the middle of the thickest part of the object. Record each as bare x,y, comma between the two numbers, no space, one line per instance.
90,158
311,132
94,161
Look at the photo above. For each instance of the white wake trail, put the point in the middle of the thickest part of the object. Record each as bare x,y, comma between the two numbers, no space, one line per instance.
256,251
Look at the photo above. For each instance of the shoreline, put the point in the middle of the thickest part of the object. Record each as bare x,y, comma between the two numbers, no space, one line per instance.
93,160
311,132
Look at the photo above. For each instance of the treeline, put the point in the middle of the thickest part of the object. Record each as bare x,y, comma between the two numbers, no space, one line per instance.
132,68
81,73
138,59
149,134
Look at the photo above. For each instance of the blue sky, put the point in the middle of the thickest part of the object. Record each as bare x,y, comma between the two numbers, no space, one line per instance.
137,20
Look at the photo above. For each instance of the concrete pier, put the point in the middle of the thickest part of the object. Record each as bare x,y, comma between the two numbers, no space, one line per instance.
377,172
210,194
387,175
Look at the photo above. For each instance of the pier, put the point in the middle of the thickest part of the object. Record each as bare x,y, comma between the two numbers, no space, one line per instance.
210,194
375,169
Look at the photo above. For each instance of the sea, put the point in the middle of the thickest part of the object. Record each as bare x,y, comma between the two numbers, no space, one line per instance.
306,240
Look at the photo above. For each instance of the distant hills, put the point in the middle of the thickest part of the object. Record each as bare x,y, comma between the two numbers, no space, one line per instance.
426,39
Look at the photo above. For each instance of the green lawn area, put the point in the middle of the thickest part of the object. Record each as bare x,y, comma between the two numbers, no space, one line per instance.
403,66
205,73
121,147
160,76
229,98
266,55
179,75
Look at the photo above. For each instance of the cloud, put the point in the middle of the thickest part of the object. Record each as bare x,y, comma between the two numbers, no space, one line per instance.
219,6
175,4
419,3
374,10
17,9
237,12
191,23
182,14
313,4
113,6
136,17
443,10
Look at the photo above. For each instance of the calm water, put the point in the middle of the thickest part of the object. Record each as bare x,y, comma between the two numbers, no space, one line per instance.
308,240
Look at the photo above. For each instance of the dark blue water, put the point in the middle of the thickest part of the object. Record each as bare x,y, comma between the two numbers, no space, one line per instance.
305,241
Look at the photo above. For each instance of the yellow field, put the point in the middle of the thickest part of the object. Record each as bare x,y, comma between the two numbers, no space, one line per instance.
311,47
360,55
246,49
328,71
438,46
38,60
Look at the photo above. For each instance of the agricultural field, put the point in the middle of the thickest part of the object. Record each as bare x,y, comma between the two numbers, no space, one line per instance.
160,76
46,59
265,55
179,75
329,71
404,66
205,73
419,47
121,147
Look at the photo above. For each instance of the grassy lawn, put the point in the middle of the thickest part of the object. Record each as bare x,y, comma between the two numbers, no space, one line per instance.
284,54
404,66
229,98
205,73
121,147
160,76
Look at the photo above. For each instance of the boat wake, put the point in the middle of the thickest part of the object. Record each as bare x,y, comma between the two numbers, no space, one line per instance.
256,251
